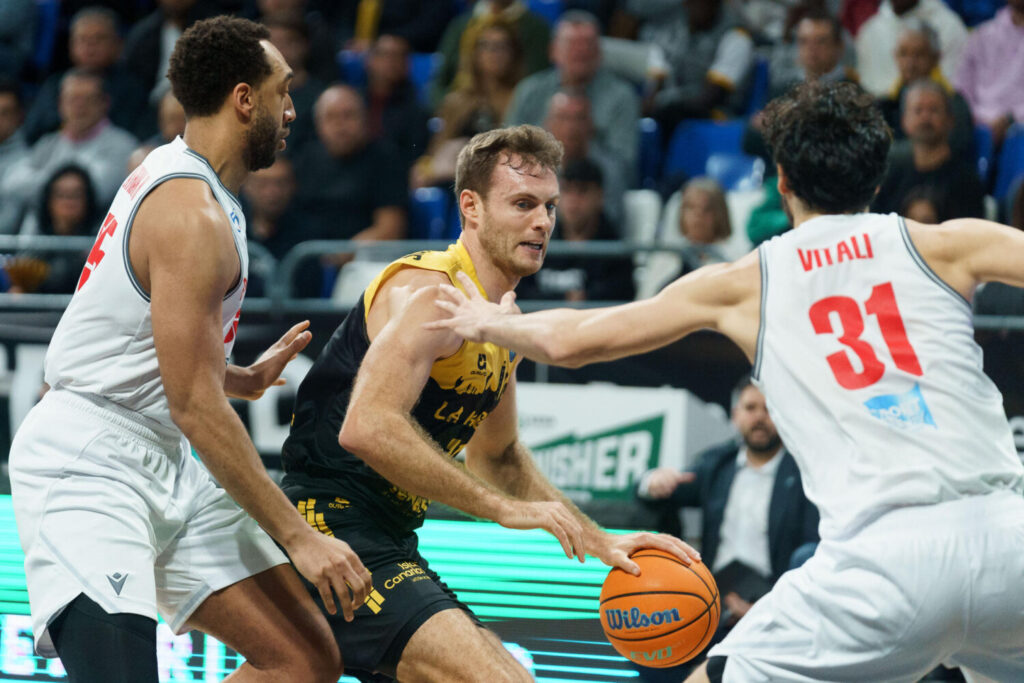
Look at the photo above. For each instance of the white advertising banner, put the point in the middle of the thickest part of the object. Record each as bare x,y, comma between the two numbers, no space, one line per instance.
597,440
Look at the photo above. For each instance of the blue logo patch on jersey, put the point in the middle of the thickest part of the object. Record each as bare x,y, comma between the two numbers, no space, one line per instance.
236,221
903,411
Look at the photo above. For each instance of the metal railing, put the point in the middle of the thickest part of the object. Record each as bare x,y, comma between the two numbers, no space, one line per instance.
279,276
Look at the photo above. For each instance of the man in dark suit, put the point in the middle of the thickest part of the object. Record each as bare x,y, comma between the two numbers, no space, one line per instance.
757,522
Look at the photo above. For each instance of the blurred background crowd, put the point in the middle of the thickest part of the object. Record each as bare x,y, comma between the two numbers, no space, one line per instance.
655,101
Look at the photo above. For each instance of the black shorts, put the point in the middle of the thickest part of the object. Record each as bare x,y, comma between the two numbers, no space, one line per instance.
406,592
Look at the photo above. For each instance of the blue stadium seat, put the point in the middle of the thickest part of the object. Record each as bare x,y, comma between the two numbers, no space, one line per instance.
983,152
649,170
1011,161
758,87
694,141
428,218
422,68
549,9
352,65
735,172
47,18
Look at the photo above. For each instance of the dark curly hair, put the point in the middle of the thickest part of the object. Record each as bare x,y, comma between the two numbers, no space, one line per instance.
831,142
212,57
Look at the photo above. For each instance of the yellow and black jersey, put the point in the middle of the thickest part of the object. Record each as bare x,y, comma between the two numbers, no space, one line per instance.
461,391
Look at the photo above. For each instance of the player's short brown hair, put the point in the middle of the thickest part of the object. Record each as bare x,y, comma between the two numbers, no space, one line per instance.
212,57
524,145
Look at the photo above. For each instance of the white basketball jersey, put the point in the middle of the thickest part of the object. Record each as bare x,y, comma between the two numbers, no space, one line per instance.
103,344
869,366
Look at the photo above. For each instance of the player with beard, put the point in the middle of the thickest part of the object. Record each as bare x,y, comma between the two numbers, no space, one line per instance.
117,520
388,404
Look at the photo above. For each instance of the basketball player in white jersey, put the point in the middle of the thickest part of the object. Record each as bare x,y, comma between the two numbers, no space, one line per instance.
859,329
118,521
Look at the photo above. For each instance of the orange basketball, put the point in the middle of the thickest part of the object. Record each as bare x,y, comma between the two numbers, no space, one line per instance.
663,617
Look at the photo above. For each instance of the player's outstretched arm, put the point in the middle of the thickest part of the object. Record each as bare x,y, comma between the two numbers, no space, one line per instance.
496,455
710,297
379,427
187,261
968,251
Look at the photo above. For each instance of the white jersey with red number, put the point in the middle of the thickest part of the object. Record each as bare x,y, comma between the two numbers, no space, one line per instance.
103,344
868,362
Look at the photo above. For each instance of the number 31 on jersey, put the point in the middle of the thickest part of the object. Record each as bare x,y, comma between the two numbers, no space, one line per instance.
882,305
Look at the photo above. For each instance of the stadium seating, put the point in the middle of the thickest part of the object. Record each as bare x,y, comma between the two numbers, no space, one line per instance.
47,19
694,141
758,96
429,212
1011,161
423,67
352,65
549,9
650,152
735,171
983,152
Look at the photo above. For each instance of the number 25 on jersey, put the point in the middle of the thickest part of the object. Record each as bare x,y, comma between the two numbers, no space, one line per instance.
882,305
96,254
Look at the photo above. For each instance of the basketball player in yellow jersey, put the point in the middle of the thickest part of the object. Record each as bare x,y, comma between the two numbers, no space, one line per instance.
388,404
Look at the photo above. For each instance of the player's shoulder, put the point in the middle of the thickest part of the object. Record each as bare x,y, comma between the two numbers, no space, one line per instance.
182,215
183,201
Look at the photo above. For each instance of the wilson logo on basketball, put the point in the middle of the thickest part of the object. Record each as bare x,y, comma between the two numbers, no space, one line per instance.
633,618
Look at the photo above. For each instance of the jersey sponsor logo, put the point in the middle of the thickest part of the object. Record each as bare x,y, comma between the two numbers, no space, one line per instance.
374,601
135,181
409,570
849,249
117,580
620,619
908,411
236,222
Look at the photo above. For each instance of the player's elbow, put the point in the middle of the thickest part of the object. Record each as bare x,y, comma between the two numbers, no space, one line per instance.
559,350
355,435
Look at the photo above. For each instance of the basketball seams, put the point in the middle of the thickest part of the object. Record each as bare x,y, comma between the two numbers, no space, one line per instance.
626,595
618,587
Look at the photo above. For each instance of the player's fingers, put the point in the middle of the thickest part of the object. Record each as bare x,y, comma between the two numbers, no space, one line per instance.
324,586
300,342
623,562
508,300
670,544
449,306
450,292
279,382
686,477
556,530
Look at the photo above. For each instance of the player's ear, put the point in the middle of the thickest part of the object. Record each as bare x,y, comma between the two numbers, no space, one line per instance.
783,181
469,204
243,98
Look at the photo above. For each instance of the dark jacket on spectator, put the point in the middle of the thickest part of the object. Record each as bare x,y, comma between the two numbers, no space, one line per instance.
792,519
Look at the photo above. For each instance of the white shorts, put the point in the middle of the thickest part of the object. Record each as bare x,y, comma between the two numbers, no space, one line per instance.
918,587
113,505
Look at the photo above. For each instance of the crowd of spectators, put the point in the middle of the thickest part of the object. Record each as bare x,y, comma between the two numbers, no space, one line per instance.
388,91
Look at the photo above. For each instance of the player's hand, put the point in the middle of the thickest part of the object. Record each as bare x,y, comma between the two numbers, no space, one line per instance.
664,480
553,517
468,310
617,548
334,568
266,371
